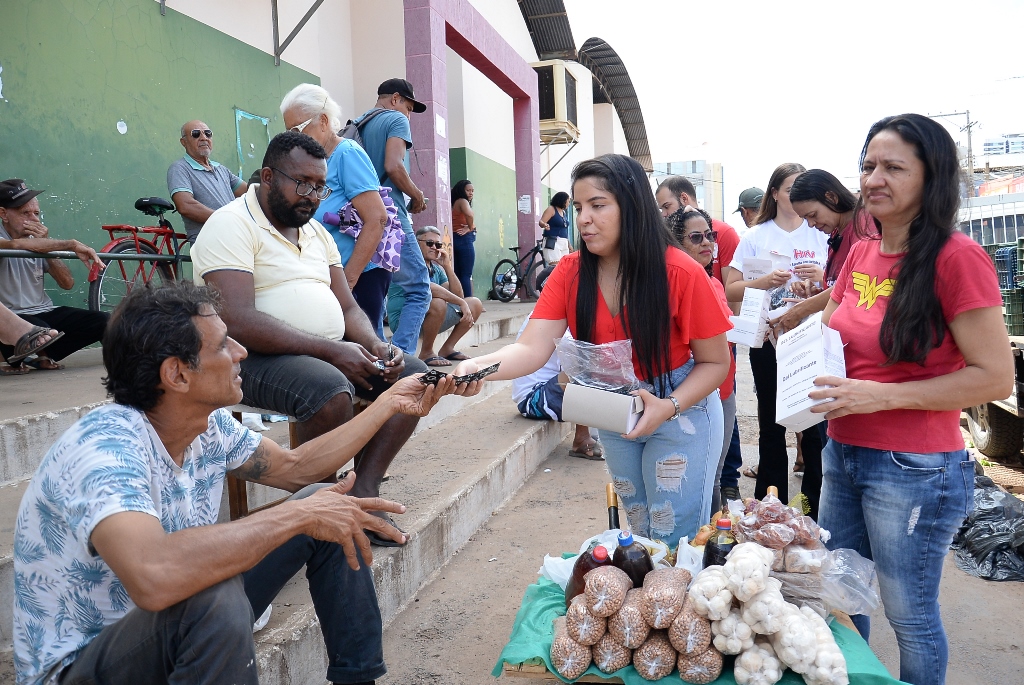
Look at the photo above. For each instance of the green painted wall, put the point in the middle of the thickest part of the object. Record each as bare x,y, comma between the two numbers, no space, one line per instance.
494,206
72,69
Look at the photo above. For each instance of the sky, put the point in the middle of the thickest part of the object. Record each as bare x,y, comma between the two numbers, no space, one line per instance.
753,84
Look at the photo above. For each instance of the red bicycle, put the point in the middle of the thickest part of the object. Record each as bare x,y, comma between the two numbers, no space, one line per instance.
108,287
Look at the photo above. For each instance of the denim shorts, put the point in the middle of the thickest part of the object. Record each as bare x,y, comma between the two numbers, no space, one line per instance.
300,386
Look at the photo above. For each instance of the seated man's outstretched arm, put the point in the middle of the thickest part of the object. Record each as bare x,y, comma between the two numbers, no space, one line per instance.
263,333
159,569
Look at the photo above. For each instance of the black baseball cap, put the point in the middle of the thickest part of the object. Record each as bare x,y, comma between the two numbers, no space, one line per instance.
403,88
14,193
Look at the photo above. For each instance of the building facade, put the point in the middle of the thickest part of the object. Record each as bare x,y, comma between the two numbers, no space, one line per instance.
707,179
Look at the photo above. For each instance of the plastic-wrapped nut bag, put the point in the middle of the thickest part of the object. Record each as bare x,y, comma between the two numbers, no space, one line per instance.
627,625
806,558
690,633
747,568
702,668
710,593
764,611
610,655
758,665
655,658
569,657
663,595
606,588
582,625
732,634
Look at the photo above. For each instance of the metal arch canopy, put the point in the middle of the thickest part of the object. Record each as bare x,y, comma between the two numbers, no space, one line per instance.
549,28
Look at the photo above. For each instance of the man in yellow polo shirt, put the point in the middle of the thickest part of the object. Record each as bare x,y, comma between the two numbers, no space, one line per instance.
286,299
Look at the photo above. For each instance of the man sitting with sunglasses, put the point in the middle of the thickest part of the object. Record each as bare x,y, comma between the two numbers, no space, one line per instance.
448,306
285,297
198,185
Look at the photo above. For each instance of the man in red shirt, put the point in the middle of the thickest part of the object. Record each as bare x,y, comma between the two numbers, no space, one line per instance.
674,193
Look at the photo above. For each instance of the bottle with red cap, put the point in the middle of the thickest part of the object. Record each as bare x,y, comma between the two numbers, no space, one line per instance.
586,562
720,544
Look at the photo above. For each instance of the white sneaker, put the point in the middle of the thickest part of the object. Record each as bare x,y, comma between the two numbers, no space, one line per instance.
262,621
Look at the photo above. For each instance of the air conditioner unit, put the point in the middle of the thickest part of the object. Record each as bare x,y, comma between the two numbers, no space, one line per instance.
559,121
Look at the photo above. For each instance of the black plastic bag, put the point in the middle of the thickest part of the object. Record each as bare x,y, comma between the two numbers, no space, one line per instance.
990,544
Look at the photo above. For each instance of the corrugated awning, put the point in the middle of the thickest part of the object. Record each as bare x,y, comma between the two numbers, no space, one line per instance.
549,28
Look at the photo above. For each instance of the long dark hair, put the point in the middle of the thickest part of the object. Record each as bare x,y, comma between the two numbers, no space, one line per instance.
769,205
643,280
913,323
560,200
815,184
459,191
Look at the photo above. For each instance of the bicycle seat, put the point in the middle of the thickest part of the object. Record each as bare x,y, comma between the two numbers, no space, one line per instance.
153,206
514,249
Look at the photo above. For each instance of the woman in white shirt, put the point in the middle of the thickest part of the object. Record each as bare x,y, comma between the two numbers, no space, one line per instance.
779,234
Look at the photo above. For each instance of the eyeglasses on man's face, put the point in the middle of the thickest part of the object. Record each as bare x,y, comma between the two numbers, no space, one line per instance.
697,238
437,244
196,132
304,188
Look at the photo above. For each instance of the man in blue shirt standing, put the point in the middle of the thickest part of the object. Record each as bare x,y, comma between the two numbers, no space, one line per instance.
387,138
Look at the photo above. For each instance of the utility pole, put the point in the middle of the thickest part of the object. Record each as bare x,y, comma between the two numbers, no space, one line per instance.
970,150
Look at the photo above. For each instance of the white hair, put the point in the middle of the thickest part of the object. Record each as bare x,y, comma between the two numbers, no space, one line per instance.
311,100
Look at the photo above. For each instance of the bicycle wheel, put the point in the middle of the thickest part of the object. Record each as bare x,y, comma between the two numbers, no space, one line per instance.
533,280
505,280
117,280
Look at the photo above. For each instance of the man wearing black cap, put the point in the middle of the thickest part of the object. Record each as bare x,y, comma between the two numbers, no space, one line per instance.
387,138
21,280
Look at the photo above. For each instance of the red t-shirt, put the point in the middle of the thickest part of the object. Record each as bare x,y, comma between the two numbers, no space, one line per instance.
694,307
862,226
725,247
965,280
726,388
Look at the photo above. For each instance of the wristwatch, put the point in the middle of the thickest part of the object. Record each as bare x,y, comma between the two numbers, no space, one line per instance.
675,403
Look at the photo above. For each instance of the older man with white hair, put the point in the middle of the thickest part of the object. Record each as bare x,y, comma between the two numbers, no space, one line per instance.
199,186
309,109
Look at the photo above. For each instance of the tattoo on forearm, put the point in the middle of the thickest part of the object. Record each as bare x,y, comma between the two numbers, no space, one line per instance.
255,467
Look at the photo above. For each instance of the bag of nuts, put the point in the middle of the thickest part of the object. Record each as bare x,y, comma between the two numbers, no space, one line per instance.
570,658
609,655
690,633
664,593
627,625
655,658
606,588
702,668
582,625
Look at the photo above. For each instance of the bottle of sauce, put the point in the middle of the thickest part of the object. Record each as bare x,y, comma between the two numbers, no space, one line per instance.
613,506
632,557
585,562
720,544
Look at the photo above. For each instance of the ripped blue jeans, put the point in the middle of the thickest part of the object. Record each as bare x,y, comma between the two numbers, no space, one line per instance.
666,479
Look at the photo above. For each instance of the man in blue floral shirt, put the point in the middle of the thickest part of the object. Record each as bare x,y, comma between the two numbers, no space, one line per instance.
120,574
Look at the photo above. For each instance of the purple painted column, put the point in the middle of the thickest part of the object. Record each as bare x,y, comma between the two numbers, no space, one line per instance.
425,66
526,117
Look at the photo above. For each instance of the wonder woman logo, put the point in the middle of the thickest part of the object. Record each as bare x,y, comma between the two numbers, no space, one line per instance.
870,289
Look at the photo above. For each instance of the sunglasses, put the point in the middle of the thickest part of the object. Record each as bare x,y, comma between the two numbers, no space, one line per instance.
196,132
698,238
433,243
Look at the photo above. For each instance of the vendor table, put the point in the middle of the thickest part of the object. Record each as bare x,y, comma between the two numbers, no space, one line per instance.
527,654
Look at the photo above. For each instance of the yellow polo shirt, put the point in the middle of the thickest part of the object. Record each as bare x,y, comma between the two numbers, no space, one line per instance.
293,283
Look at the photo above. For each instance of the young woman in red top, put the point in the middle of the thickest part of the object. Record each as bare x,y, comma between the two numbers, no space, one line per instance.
693,228
629,280
918,309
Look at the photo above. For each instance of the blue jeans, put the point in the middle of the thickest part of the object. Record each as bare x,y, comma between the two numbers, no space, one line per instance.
465,260
900,509
733,459
665,479
413,278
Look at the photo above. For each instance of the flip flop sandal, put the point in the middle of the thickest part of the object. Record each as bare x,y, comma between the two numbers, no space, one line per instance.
26,344
594,452
41,364
750,472
436,361
380,541
19,370
456,356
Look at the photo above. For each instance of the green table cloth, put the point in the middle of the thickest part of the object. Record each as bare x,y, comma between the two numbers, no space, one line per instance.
533,632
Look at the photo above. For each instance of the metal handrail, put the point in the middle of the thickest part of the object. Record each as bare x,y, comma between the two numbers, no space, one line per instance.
106,256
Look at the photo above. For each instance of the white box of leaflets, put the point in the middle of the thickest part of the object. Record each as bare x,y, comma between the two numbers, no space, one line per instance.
810,350
604,409
750,327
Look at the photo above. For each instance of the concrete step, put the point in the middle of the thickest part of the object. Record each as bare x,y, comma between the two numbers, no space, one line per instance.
35,409
452,476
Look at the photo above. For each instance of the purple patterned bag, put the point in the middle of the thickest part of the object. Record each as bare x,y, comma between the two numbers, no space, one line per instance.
389,251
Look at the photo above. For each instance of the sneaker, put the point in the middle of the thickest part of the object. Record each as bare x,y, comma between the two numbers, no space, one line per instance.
730,493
